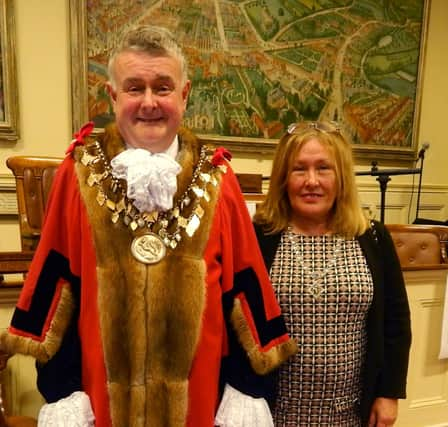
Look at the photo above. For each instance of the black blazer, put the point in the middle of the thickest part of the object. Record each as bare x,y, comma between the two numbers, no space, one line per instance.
388,321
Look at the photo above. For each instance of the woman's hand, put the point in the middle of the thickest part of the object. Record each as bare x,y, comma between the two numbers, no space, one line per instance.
384,412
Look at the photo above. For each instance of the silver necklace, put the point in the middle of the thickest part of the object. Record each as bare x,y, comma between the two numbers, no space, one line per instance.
315,274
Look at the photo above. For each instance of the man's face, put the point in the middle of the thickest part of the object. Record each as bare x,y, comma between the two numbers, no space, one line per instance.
149,99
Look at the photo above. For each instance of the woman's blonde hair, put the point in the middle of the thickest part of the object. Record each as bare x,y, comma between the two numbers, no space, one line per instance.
347,216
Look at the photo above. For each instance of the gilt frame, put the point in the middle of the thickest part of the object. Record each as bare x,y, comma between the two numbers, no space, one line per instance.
9,105
394,149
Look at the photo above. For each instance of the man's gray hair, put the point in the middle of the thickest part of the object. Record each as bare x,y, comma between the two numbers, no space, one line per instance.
150,39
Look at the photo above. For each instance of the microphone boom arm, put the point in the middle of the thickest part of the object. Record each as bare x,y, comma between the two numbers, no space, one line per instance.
383,177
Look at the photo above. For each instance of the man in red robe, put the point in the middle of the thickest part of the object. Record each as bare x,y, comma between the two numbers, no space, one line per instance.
147,276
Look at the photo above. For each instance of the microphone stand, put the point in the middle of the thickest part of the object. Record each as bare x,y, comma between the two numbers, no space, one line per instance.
422,158
383,177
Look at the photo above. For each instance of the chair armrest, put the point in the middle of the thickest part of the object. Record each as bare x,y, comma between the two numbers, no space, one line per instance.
12,263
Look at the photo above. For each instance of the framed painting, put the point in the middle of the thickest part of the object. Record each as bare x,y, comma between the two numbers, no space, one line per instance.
9,111
257,66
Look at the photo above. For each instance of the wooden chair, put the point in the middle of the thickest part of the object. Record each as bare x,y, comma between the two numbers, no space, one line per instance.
34,176
12,262
250,182
420,246
17,421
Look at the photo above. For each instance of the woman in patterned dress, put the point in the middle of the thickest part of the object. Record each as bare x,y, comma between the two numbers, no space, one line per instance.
340,286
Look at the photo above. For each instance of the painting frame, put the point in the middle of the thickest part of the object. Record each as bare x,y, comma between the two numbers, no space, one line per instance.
248,145
9,116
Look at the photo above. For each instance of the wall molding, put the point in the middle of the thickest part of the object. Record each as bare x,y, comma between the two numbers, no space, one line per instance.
7,182
8,203
434,198
8,199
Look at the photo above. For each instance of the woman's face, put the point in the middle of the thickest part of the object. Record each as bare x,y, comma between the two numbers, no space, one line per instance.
312,183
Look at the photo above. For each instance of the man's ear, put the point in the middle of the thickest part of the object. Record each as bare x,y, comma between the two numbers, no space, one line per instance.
112,92
186,91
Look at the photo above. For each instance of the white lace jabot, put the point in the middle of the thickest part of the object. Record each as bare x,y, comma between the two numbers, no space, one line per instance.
151,178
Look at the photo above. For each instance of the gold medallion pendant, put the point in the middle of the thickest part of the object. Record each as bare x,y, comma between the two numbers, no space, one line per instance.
183,218
148,248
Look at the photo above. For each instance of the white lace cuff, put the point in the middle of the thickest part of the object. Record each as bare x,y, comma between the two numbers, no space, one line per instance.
240,410
72,411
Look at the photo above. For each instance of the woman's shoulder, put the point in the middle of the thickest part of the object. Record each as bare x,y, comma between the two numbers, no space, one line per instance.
258,228
259,231
377,235
264,236
378,228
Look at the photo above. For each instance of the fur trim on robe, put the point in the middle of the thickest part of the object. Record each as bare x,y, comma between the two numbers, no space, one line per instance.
151,317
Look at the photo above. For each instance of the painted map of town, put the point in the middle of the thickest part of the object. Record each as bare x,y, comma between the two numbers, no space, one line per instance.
258,65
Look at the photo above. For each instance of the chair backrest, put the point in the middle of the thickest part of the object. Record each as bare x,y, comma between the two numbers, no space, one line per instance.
250,182
420,245
34,176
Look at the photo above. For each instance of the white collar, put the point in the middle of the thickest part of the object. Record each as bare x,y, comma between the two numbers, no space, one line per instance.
173,149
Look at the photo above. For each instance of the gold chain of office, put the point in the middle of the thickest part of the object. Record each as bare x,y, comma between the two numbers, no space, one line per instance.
161,230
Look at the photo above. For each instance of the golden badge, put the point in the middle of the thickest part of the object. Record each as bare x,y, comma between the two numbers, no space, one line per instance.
148,248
